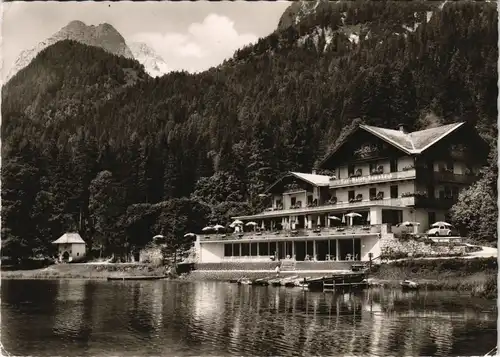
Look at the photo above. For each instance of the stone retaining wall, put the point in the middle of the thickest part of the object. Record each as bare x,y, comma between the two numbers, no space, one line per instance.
411,247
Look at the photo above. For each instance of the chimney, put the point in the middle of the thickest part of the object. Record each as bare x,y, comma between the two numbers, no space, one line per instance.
402,128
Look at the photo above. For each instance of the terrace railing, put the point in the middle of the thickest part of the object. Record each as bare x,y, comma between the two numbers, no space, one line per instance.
302,233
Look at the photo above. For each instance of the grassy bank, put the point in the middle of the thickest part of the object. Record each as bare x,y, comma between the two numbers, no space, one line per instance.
85,271
477,276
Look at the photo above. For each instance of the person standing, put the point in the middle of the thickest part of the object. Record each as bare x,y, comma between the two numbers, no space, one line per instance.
277,270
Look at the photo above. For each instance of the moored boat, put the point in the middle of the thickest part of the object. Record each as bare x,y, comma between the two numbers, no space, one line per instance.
262,282
409,285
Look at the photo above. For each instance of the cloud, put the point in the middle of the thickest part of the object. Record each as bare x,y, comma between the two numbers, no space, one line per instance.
202,46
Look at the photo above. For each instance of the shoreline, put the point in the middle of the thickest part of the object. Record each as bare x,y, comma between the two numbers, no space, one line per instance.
476,276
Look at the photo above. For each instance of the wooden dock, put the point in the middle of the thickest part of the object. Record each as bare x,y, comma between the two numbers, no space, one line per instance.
338,281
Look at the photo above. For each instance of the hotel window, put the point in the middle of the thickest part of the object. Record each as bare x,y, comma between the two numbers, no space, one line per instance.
394,191
236,249
245,249
455,191
450,166
272,248
253,249
373,192
350,170
264,248
309,200
432,217
228,250
372,167
394,165
350,195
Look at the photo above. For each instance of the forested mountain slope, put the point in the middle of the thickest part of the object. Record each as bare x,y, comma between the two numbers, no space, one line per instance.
75,130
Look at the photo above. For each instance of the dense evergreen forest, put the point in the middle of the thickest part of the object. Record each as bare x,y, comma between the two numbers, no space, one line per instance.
91,143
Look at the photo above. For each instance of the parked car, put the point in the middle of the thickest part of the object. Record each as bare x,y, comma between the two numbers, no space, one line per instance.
441,230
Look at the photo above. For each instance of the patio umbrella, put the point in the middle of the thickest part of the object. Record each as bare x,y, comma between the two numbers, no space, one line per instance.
207,228
237,222
217,227
353,214
157,236
441,223
232,225
334,218
319,221
189,235
368,218
253,224
263,227
343,218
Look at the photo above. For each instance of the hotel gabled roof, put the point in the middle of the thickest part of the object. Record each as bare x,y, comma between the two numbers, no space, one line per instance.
415,142
411,143
313,179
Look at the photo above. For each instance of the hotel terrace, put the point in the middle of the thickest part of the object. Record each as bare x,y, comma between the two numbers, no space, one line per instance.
377,178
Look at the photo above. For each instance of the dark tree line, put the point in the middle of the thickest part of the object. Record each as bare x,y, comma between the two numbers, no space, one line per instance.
91,143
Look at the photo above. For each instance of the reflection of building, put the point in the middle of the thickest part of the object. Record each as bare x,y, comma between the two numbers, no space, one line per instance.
70,307
377,179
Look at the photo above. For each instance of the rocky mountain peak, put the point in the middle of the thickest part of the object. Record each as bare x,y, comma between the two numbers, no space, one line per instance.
104,36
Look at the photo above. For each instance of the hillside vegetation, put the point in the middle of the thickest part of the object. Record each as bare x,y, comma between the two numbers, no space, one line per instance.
88,136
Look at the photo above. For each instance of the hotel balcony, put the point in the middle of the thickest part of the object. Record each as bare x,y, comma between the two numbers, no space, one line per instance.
435,203
373,178
451,177
298,233
326,208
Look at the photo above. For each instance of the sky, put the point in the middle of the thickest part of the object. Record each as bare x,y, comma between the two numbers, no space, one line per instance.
191,36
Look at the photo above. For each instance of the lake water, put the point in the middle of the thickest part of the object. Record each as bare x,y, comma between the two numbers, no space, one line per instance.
100,318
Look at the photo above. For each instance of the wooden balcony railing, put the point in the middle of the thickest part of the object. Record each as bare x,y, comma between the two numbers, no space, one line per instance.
368,179
326,208
444,176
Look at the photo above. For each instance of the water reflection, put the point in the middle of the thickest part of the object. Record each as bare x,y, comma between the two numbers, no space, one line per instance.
208,318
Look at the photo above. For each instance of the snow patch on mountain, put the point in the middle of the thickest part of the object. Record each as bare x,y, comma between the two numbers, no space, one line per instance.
153,63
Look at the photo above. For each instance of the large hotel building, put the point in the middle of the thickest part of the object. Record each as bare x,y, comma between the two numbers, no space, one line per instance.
377,178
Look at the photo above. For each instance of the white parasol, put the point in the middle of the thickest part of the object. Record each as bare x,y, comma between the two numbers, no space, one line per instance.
441,223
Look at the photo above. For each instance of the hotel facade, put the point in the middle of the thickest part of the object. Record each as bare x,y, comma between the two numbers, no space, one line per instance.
371,182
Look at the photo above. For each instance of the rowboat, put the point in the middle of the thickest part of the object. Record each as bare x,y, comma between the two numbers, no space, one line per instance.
409,285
